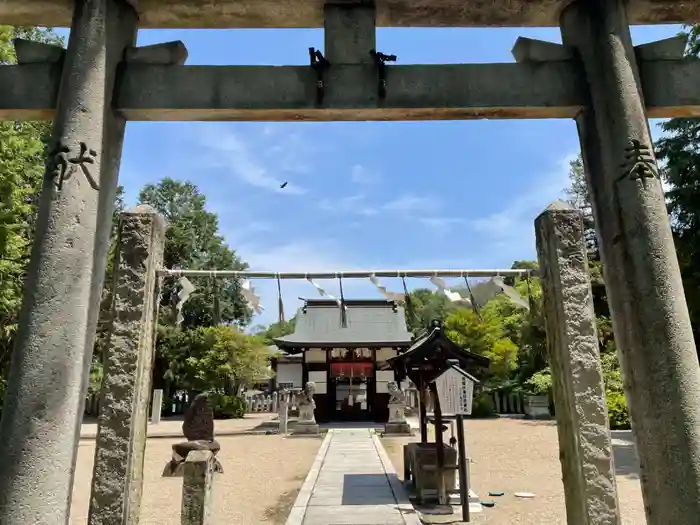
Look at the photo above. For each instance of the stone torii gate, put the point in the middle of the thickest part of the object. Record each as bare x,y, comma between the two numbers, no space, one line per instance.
91,89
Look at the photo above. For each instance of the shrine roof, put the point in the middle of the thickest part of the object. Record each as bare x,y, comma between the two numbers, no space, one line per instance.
370,322
309,13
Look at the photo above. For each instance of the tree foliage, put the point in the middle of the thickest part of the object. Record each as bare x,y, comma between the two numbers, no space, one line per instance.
275,330
193,242
578,197
679,151
22,146
426,306
216,358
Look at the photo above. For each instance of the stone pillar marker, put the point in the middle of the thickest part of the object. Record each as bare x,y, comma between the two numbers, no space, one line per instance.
197,482
47,384
124,400
579,393
283,411
157,406
649,311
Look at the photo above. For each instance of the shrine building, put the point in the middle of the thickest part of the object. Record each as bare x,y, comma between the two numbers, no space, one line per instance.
344,357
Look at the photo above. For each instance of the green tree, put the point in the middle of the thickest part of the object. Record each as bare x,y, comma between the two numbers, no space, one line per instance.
426,306
22,146
578,196
193,242
485,336
215,358
275,330
679,152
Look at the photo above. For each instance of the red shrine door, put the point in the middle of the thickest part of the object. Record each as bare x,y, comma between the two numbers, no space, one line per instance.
351,387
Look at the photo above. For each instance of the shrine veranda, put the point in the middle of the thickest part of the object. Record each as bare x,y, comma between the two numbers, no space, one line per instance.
596,77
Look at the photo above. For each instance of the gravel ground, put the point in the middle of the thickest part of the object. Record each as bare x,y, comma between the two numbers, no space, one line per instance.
515,455
262,475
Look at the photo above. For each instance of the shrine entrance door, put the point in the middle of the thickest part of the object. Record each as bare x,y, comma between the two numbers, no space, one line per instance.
352,386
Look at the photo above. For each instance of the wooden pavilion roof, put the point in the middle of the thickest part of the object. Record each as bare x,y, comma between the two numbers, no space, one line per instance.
432,354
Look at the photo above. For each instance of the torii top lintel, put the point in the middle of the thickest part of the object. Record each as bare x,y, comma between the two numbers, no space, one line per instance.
309,13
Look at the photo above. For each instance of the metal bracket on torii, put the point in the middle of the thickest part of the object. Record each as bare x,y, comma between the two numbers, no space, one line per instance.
319,64
380,60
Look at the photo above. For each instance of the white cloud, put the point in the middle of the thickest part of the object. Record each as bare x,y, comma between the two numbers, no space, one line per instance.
411,204
248,228
440,225
354,204
360,175
251,163
511,230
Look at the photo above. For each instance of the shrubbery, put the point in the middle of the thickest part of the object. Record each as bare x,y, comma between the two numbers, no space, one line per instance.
539,384
614,392
482,405
228,407
617,411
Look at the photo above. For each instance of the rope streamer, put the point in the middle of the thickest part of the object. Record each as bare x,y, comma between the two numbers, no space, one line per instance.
475,307
186,289
391,296
454,297
409,303
323,293
248,291
482,293
280,303
343,308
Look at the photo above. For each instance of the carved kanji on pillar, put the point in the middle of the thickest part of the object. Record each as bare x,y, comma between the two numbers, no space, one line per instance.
61,164
640,163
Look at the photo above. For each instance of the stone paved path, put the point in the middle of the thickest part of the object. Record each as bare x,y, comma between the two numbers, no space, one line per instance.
352,482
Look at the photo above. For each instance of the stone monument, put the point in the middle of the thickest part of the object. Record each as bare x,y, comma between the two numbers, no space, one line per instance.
283,411
198,428
307,420
397,423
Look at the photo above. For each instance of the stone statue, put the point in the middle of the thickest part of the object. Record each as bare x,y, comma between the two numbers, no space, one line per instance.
305,401
397,423
396,395
198,428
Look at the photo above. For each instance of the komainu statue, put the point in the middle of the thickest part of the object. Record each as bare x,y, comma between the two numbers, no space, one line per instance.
305,402
307,419
396,395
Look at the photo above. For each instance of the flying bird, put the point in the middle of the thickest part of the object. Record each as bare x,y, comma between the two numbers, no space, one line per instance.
283,185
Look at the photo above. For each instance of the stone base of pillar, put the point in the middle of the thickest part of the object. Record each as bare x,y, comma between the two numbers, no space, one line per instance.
176,466
398,427
305,428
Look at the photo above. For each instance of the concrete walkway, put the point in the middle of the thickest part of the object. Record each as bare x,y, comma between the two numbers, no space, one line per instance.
352,482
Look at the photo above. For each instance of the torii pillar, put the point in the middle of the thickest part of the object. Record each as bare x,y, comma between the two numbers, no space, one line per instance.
46,389
643,280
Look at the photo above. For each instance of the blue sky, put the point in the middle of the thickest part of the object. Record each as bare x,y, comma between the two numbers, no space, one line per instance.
363,195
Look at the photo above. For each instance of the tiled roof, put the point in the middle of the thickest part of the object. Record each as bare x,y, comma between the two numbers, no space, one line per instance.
369,322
